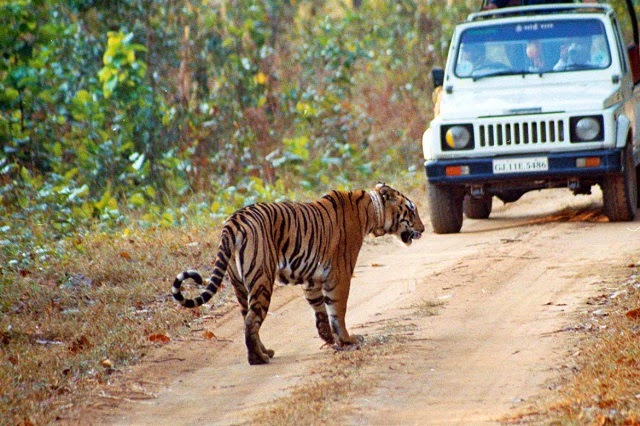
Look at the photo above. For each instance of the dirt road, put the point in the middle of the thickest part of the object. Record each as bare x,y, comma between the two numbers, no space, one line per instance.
507,287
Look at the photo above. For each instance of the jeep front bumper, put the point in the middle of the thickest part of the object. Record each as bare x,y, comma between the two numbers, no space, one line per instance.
589,164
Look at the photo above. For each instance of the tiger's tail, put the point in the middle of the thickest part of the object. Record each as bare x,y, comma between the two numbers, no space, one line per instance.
214,283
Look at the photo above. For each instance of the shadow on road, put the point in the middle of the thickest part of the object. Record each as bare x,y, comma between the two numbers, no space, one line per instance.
591,213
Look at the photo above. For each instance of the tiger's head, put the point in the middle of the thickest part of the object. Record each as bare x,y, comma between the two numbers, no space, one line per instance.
397,215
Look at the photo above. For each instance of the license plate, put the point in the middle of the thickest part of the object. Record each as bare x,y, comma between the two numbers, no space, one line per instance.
520,165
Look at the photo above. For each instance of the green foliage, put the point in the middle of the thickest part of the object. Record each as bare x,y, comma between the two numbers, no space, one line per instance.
160,110
121,68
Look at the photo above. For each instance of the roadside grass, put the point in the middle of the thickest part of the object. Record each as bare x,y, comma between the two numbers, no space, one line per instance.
67,325
601,384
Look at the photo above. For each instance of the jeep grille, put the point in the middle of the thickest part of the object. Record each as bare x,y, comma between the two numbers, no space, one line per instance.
522,133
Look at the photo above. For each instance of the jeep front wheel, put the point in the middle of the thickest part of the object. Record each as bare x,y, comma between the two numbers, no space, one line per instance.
445,208
620,193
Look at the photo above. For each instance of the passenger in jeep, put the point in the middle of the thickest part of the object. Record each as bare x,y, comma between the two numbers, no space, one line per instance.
583,53
535,57
472,57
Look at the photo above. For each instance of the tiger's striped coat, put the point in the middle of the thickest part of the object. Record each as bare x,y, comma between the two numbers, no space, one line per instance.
313,244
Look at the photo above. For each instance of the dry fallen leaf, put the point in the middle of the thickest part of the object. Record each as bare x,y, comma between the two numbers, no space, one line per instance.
208,335
79,345
159,338
634,314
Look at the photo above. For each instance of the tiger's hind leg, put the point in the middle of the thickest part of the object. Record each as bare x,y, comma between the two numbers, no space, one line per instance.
313,294
259,300
242,294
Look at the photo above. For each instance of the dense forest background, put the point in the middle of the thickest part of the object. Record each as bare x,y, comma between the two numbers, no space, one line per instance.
109,108
154,109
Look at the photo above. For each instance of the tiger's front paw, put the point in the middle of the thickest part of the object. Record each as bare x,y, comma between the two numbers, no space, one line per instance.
353,343
354,339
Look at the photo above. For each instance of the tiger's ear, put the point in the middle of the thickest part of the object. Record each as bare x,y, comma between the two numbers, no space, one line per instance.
387,193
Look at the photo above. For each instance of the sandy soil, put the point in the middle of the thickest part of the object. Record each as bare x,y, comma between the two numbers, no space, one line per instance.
508,285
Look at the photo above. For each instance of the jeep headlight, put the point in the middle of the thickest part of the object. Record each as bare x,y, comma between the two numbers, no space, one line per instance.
587,129
457,136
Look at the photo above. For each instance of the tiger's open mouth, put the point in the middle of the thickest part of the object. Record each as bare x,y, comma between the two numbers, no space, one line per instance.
408,236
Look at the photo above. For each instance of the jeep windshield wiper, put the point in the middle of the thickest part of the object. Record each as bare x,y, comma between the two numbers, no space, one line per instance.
499,74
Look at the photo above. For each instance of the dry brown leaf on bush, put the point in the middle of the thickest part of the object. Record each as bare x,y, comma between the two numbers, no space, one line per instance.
159,338
633,314
208,335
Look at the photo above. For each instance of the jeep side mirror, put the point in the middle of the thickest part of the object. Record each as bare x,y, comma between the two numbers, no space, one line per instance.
437,74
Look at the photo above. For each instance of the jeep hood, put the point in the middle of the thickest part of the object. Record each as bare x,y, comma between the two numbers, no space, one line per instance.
483,100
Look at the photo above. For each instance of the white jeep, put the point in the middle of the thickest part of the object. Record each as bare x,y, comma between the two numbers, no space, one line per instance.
535,97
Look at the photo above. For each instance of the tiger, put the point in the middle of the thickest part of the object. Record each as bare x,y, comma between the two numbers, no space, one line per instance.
314,244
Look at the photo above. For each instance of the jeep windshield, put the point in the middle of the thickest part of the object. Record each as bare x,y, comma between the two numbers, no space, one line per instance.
534,47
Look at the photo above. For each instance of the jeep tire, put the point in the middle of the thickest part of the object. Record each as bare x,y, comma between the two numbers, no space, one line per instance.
620,192
445,208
